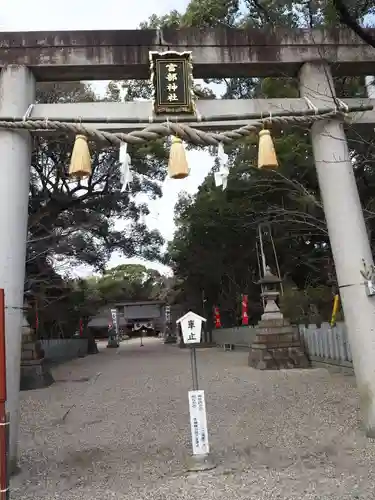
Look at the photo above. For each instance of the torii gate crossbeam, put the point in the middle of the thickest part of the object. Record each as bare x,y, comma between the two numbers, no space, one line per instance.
128,116
29,57
217,52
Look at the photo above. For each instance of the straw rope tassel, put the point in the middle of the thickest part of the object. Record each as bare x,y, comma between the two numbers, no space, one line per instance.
178,167
266,152
80,161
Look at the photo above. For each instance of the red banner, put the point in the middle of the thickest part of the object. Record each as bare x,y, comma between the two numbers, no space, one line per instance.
217,317
36,319
245,317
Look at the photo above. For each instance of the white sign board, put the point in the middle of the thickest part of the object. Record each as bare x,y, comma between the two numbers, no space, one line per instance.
198,423
114,319
191,327
167,314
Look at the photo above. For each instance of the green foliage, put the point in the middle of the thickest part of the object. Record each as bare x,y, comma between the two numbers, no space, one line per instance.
310,305
198,13
76,220
171,20
62,303
130,282
214,248
215,245
211,13
74,223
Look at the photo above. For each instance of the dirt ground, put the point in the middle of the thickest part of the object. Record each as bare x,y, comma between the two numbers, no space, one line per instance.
115,425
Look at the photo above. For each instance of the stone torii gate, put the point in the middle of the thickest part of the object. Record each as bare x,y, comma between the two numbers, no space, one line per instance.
94,55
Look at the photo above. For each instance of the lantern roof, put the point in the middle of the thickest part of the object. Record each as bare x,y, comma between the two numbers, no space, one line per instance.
269,278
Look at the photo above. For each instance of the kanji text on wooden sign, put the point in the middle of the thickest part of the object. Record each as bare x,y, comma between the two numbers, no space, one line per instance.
172,81
191,327
198,423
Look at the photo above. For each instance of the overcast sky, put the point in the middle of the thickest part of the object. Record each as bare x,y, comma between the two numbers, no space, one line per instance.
38,15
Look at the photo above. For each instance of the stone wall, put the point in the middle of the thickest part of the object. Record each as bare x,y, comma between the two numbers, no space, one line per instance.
239,337
60,350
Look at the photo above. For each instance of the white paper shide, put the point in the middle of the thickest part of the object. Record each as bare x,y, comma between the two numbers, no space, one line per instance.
198,423
126,177
221,177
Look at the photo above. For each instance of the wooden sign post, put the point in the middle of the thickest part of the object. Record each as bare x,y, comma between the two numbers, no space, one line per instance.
191,328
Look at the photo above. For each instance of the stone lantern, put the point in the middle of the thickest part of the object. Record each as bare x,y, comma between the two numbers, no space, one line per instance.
270,294
277,343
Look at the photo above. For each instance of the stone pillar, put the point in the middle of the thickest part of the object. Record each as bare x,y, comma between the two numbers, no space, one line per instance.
347,233
17,92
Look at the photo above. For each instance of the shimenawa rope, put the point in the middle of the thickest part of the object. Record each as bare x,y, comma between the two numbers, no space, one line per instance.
187,133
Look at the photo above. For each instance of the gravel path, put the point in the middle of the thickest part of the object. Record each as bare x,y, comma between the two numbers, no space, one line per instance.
275,435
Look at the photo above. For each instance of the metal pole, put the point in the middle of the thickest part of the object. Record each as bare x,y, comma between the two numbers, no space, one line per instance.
347,233
7,468
263,258
194,369
263,261
4,437
260,271
204,328
3,373
4,434
276,259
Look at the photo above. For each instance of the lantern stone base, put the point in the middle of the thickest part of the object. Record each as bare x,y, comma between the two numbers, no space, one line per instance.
277,346
35,375
113,342
170,339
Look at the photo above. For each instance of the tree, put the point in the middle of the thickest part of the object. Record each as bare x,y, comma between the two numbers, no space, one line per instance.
126,282
76,219
353,14
130,282
74,222
214,248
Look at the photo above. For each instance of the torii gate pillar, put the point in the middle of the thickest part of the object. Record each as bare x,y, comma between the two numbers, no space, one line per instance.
347,233
17,92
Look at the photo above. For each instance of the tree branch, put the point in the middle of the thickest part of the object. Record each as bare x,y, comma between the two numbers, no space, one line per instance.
347,19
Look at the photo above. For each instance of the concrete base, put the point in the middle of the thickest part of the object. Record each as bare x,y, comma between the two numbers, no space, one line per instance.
200,463
13,468
277,346
170,339
201,345
35,374
113,342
